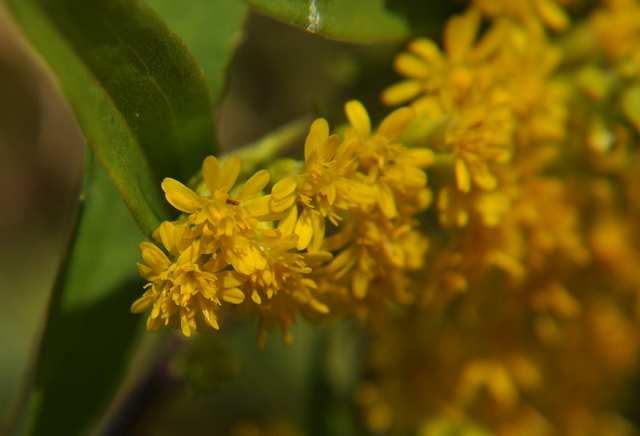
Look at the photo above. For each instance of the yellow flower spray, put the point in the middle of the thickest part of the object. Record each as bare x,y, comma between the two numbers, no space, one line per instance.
517,264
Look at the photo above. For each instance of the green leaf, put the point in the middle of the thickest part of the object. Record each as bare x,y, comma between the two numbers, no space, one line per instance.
89,331
361,21
211,30
145,108
139,96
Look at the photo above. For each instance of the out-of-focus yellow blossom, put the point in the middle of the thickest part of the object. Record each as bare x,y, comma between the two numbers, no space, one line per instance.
487,99
531,285
529,12
616,27
464,66
520,288
397,172
378,245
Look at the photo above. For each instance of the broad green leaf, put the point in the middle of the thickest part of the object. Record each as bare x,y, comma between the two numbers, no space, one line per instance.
211,29
144,106
361,21
139,96
85,345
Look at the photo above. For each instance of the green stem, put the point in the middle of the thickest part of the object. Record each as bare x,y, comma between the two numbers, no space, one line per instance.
263,151
271,146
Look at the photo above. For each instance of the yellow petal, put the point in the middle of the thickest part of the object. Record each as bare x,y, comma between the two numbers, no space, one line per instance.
284,187
459,34
211,173
328,149
360,285
258,207
318,225
229,173
463,178
358,117
429,107
255,297
491,41
426,49
233,296
421,157
170,235
185,325
304,230
319,307
401,92
278,206
318,135
181,197
154,257
288,223
342,263
144,271
483,177
340,239
396,122
153,323
411,66
316,258
387,202
142,303
230,280
210,318
552,14
164,234
254,185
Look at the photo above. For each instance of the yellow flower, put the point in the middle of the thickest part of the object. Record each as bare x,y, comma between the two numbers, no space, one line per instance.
463,66
479,134
397,172
549,12
188,288
377,244
224,250
375,251
539,100
616,27
327,186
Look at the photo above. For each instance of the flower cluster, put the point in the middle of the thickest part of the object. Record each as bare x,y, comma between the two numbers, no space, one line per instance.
263,245
527,307
517,265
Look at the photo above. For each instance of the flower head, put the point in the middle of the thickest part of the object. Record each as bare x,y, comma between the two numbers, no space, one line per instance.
529,12
224,250
185,290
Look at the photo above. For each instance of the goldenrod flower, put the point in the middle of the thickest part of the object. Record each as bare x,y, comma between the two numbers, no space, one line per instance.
185,289
327,186
616,27
396,171
377,244
224,250
370,251
465,64
521,289
549,12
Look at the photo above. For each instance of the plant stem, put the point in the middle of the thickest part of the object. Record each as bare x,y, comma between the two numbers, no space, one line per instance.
264,150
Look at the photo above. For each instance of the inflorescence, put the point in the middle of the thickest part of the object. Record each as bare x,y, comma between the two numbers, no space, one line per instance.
517,264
